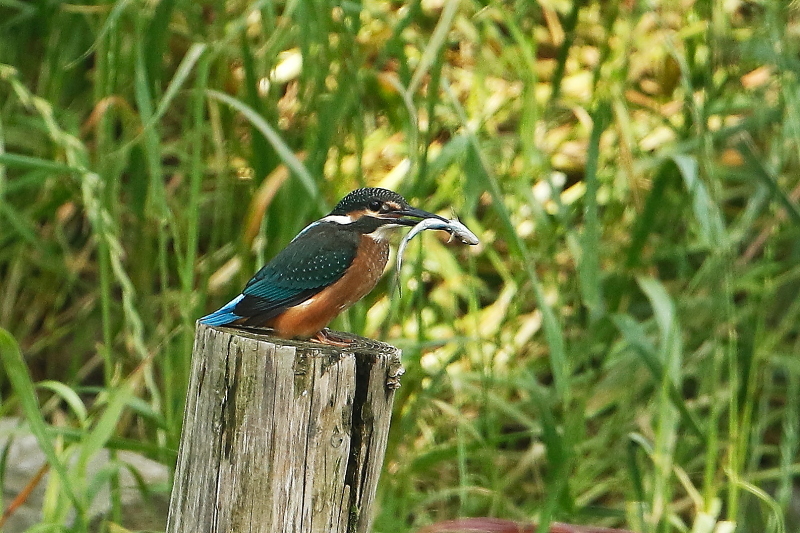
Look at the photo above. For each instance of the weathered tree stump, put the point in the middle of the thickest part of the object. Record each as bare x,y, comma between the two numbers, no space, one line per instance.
282,436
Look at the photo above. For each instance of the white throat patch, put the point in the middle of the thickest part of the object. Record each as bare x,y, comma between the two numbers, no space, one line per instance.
383,232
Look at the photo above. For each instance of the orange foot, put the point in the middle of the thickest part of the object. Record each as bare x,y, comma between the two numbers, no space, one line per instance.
326,336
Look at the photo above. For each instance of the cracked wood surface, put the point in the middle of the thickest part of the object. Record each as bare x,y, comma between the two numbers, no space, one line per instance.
282,435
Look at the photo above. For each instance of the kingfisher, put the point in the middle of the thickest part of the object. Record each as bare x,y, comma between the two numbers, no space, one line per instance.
330,265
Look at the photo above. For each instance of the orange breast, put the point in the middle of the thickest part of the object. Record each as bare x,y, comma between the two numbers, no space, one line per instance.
308,318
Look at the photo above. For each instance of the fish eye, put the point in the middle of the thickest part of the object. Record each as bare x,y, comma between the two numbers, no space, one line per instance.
375,205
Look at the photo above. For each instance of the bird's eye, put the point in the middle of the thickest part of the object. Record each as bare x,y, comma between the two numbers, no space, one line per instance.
375,205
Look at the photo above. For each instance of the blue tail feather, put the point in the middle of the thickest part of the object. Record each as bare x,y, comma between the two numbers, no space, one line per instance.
223,315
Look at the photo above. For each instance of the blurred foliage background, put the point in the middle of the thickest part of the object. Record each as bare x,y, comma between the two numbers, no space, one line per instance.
621,350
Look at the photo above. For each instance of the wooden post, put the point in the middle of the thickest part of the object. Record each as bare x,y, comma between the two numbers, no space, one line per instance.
282,436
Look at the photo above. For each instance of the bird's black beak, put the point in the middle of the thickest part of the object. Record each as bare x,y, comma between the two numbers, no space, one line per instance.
418,215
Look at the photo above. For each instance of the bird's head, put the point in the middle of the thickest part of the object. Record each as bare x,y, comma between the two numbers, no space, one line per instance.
374,210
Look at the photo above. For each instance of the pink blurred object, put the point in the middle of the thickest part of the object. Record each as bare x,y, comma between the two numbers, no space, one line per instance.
498,525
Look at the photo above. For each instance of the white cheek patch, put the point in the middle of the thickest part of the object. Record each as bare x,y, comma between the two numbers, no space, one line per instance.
338,219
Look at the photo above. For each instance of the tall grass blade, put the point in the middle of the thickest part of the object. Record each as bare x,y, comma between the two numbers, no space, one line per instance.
435,44
706,212
589,263
284,152
35,163
157,37
69,396
670,355
479,173
645,222
767,178
555,338
96,439
570,25
635,335
259,149
193,55
20,379
114,15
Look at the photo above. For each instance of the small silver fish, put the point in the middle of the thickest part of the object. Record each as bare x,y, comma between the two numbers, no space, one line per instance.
454,227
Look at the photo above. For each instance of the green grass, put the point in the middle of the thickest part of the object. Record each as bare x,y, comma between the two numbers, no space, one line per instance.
620,350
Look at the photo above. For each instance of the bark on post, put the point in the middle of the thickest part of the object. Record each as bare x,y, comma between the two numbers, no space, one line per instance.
281,435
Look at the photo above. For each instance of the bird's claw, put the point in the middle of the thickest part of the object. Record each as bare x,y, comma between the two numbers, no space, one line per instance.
330,338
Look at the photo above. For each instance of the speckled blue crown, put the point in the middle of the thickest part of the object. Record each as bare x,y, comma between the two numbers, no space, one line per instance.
361,198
